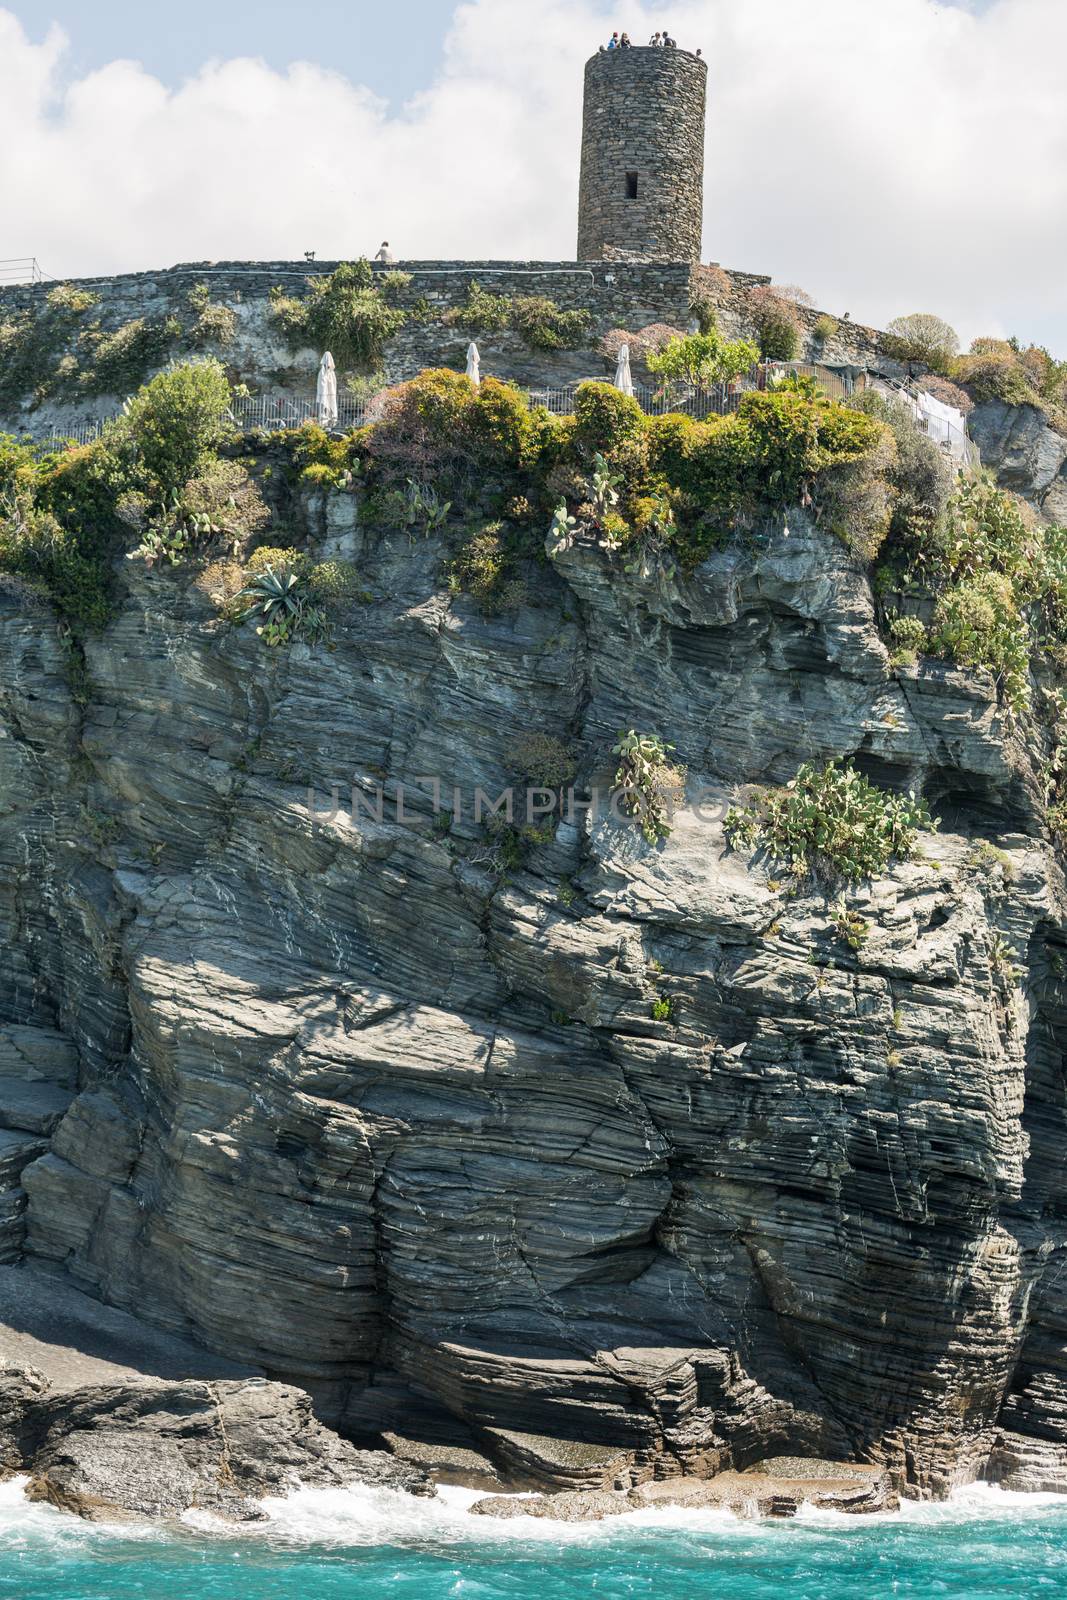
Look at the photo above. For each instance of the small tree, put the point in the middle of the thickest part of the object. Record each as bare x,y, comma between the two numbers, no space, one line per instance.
702,358
924,338
177,419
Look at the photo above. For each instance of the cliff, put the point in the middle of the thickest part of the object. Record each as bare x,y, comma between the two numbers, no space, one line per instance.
601,1157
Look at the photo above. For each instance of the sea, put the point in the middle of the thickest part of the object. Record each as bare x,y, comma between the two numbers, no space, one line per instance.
321,1544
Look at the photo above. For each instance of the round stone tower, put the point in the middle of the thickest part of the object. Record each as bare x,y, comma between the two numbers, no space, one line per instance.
642,183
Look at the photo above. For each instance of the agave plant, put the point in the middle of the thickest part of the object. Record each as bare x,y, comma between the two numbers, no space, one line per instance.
278,599
423,504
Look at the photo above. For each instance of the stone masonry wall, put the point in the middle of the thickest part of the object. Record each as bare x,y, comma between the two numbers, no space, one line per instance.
630,295
617,294
643,121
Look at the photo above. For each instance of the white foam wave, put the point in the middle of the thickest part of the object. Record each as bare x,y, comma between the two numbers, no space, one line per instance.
977,1502
30,1522
361,1516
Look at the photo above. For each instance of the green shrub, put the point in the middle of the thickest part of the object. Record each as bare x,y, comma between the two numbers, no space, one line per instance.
215,323
996,377
824,329
908,635
921,478
978,623
776,324
35,546
177,420
544,326
539,321
221,498
485,569
922,338
543,760
703,358
344,313
481,312
19,466
502,426
75,493
319,458
65,297
830,821
441,427
605,418
393,284
333,580
117,362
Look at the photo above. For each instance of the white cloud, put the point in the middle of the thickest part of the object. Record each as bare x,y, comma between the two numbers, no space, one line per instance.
889,155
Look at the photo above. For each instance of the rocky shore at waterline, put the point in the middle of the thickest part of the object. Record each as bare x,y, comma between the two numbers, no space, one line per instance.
154,1427
777,1487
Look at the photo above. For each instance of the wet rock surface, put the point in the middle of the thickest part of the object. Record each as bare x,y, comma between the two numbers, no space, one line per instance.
365,1109
155,1449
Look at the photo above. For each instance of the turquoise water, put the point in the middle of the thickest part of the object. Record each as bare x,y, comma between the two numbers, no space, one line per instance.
358,1544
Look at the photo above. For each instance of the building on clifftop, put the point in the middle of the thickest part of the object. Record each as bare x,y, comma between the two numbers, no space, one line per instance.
641,194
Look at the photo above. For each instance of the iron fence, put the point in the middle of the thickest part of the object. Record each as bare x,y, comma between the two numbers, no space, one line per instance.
272,412
692,401
22,269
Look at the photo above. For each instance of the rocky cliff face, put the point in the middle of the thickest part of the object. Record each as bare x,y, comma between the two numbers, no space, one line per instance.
1028,454
342,1098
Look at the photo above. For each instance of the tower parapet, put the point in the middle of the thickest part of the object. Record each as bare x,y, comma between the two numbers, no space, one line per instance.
642,177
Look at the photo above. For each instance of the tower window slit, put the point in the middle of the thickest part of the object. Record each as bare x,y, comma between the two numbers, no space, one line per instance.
631,186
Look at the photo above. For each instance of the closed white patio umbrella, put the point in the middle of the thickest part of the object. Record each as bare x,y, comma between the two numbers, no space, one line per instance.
326,392
623,380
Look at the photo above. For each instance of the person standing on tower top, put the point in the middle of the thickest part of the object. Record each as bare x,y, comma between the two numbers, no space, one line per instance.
613,42
624,42
385,255
656,39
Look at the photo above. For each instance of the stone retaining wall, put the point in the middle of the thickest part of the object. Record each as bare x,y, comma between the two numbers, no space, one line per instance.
616,294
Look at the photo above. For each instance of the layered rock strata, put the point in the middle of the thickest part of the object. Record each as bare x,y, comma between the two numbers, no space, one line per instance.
362,1105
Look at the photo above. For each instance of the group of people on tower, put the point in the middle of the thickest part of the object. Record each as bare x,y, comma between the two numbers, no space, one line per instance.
622,41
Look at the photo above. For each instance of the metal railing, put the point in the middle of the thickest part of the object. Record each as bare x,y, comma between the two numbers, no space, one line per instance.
690,400
22,269
272,412
953,439
77,433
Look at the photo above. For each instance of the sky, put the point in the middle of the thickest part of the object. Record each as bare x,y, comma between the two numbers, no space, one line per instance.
887,155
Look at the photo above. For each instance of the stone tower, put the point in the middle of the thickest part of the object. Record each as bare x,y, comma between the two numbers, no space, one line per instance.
642,182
